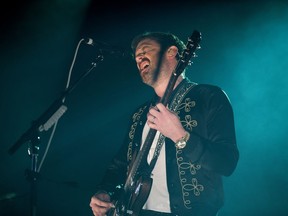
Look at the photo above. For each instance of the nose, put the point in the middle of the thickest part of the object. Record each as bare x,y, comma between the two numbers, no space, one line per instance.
139,56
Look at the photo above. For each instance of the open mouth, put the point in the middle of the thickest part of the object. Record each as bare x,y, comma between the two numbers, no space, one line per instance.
143,66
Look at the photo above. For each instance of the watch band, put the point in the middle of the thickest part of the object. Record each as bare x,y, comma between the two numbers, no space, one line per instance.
181,143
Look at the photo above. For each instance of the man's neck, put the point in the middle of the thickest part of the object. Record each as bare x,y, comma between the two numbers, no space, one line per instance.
161,88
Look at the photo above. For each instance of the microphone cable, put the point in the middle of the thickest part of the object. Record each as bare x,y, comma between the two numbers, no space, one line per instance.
64,108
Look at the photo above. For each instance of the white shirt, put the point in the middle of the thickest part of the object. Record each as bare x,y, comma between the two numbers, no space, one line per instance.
158,199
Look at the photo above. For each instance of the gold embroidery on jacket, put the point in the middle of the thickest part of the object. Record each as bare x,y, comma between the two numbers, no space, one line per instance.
187,105
186,168
189,123
194,186
135,119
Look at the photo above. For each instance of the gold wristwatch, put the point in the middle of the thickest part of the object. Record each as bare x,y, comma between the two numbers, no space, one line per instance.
181,143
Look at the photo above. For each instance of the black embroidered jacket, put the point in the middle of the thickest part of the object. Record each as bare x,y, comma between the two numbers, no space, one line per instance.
194,174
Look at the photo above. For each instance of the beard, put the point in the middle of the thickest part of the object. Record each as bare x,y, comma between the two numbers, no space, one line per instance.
148,78
153,72
151,76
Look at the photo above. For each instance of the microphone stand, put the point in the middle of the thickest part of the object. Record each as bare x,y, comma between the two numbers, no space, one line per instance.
32,175
32,136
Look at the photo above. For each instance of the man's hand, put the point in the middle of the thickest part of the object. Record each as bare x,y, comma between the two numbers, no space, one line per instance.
100,204
166,122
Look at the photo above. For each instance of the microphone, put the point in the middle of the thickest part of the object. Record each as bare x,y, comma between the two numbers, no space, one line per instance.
105,48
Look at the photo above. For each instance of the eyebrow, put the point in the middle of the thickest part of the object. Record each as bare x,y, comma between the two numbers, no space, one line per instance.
142,49
144,46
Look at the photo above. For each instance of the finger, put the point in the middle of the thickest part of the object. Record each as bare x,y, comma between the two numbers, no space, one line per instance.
100,203
154,111
160,107
151,118
104,204
99,210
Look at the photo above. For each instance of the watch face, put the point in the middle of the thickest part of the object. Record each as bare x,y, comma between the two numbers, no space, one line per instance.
181,144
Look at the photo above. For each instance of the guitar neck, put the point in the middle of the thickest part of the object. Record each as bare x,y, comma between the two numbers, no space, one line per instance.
141,158
169,89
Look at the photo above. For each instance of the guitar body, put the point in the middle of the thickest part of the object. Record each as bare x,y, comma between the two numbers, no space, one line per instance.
140,195
132,201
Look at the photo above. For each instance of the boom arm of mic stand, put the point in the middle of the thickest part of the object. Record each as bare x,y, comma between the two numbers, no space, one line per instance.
28,135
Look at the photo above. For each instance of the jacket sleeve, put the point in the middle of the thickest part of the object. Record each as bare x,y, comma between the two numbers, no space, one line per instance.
215,148
114,176
116,173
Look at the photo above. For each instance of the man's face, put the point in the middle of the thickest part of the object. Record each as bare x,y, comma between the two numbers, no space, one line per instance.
147,55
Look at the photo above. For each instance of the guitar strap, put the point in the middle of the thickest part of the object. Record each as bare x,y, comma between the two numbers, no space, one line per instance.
173,106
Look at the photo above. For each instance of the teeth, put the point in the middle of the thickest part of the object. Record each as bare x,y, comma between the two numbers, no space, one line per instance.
144,65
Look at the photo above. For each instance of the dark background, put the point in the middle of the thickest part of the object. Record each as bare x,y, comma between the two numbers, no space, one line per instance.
244,50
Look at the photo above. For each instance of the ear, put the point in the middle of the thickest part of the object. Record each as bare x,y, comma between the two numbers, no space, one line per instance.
172,51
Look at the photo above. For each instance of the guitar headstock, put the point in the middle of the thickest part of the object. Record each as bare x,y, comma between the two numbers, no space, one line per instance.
192,45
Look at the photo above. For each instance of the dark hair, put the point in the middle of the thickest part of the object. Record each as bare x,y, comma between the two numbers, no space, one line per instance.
164,39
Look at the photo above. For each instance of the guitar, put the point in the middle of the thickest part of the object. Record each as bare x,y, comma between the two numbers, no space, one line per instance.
138,183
